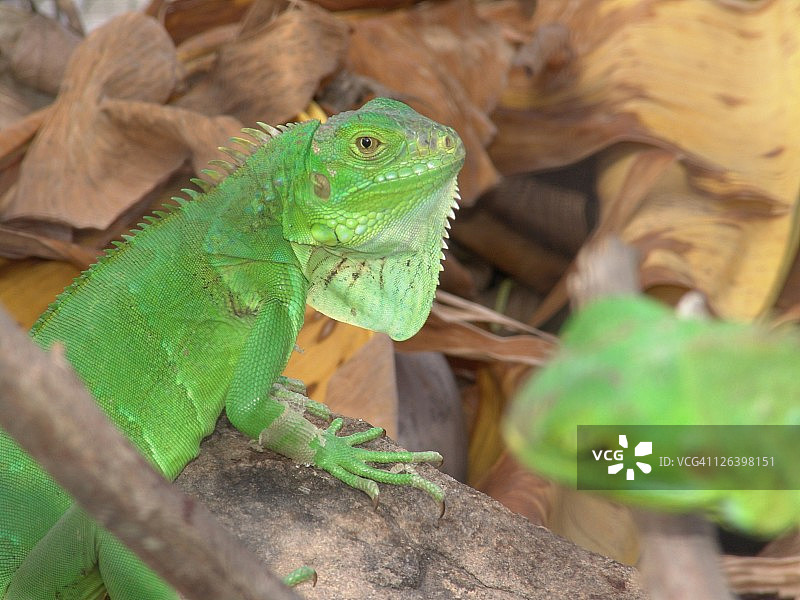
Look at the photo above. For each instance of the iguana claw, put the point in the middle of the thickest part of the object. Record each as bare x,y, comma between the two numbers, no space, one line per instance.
340,458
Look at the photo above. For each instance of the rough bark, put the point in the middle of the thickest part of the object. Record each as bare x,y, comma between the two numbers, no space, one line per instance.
292,516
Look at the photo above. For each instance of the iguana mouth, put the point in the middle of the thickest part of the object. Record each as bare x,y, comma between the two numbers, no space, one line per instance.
423,167
418,230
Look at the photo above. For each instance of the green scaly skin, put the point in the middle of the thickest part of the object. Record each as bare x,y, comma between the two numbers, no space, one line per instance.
199,311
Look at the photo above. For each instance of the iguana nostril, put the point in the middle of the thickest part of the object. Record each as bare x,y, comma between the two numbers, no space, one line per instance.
448,142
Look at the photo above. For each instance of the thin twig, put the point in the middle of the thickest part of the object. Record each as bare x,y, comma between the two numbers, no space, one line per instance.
607,267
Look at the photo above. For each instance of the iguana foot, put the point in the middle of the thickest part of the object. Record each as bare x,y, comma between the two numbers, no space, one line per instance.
338,456
301,575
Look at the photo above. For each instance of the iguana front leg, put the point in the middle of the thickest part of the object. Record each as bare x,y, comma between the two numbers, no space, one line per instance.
273,415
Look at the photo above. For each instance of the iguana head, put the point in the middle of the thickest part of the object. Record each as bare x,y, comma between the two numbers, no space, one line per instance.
368,214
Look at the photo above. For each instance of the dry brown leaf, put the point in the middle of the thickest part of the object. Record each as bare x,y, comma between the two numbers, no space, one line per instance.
184,19
12,21
139,143
447,63
759,575
730,246
271,71
130,143
776,569
14,141
171,133
16,243
365,386
198,54
364,4
711,82
325,345
77,151
40,53
16,99
15,138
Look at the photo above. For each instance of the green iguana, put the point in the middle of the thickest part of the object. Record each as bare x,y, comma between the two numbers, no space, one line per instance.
200,309
629,360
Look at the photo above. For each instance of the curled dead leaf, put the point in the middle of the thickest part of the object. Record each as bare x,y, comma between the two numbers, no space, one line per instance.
272,69
17,243
129,142
763,575
40,53
81,170
710,83
184,19
15,138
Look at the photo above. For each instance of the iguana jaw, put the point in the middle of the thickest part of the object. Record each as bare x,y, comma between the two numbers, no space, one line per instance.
416,223
389,292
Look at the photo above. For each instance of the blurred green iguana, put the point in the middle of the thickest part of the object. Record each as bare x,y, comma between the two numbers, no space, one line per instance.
630,361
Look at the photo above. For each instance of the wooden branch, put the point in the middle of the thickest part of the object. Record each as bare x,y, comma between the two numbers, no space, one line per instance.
45,407
605,268
680,557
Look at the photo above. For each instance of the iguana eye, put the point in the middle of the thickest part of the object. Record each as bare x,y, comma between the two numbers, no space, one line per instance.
367,145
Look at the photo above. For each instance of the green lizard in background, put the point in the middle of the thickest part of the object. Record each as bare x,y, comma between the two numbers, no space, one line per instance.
630,360
200,310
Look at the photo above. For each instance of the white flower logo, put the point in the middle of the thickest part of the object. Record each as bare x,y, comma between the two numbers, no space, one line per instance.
642,449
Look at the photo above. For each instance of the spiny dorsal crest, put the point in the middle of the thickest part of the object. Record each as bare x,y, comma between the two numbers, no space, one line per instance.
223,168
262,136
